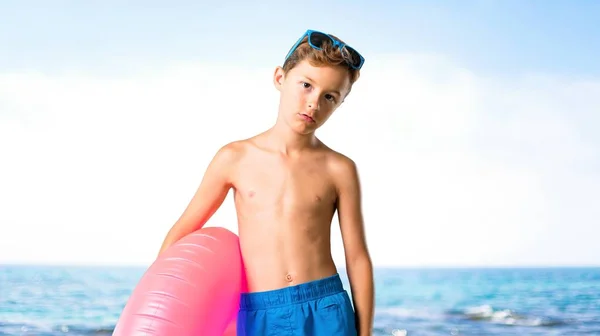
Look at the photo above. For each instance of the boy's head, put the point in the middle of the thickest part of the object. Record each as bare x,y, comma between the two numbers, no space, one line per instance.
316,77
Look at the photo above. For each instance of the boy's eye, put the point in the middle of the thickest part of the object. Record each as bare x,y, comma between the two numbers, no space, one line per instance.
330,97
306,85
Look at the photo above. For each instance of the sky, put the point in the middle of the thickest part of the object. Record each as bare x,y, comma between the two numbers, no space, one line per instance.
473,124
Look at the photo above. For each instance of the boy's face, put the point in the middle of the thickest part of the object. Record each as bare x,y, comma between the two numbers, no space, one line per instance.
309,94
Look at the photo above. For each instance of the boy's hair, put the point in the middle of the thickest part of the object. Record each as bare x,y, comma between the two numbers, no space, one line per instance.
328,55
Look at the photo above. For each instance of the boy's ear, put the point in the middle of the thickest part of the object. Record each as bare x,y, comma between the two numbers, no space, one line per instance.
278,77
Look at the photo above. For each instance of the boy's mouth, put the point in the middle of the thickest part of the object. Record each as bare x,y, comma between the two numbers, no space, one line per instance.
307,117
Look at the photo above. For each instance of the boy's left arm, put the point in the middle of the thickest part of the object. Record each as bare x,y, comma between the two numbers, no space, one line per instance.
358,261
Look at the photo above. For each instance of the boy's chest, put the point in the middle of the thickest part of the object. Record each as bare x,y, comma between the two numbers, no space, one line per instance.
301,186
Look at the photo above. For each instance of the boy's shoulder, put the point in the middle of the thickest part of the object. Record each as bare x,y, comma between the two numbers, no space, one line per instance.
228,155
340,165
344,172
234,149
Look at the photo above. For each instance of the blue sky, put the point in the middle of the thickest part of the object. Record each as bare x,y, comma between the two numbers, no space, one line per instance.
491,36
473,123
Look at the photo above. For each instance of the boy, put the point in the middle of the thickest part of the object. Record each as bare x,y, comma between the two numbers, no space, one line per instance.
287,186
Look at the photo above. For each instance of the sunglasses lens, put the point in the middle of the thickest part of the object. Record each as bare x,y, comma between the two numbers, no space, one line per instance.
318,39
352,56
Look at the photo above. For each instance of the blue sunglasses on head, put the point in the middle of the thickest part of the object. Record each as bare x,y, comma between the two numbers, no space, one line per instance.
316,39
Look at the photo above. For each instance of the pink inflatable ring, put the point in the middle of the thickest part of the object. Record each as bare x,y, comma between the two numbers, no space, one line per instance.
193,288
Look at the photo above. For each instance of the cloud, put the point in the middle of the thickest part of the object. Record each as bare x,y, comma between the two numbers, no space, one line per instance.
457,168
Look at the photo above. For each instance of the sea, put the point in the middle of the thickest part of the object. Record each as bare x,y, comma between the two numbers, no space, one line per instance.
83,301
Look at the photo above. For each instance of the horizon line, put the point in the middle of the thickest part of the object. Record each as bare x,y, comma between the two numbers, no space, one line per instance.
375,267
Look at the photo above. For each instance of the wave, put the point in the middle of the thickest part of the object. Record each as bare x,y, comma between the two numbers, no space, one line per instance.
395,320
409,313
487,313
30,329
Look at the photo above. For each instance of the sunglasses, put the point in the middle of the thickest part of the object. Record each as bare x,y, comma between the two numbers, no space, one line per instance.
317,39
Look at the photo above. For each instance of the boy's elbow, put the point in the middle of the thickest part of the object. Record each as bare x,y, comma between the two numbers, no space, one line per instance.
180,229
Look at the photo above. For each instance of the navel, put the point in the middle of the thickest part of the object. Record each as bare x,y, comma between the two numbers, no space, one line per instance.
289,278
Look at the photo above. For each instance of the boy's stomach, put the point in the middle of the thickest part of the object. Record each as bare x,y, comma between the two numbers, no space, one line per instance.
284,254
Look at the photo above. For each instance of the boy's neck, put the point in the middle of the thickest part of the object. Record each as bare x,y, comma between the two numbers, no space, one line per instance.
286,141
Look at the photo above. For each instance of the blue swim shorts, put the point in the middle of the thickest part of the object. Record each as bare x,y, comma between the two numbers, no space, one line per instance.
317,308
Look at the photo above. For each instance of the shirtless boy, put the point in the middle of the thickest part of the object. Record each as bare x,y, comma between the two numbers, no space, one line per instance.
287,187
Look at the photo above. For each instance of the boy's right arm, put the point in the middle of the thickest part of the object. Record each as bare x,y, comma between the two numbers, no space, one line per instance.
209,196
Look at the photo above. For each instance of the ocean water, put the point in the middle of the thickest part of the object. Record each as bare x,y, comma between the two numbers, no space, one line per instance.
81,301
